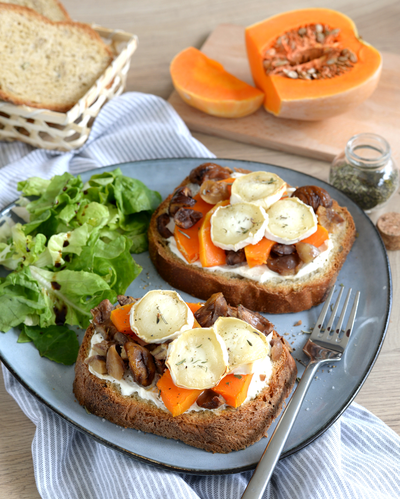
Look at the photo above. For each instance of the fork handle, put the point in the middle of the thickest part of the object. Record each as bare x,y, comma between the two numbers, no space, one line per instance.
270,457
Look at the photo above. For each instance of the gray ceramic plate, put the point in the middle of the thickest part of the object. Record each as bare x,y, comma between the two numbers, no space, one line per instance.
366,269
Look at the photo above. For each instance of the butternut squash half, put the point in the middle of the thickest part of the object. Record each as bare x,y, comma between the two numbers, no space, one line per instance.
204,84
341,83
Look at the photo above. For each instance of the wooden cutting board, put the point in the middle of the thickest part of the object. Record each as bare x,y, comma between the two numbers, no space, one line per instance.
380,114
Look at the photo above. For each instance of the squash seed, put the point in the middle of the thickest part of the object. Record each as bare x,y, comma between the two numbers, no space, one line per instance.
292,74
353,57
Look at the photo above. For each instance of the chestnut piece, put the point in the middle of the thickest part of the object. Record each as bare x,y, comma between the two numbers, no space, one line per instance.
283,249
160,351
307,252
125,300
102,347
208,171
160,365
235,257
162,222
102,320
213,192
255,319
114,364
276,349
141,363
284,265
97,363
181,197
210,400
186,218
313,196
216,306
329,219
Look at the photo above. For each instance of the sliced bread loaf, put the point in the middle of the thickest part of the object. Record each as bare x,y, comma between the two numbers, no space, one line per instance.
47,64
52,9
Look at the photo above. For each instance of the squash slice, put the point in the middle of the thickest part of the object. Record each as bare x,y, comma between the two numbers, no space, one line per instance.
204,84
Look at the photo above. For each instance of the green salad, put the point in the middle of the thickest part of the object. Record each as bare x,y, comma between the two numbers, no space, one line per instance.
73,252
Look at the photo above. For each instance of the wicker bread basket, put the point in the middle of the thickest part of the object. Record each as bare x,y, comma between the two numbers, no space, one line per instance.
70,130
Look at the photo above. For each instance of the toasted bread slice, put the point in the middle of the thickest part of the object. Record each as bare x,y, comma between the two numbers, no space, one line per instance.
52,9
222,430
47,64
276,296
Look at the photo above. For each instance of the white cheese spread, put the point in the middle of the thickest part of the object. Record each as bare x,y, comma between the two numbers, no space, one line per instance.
261,369
260,273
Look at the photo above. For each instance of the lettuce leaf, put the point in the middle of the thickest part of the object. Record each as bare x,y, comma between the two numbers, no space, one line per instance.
72,294
74,252
57,343
34,186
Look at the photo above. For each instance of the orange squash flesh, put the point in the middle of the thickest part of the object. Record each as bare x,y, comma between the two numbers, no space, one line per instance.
120,318
234,388
176,400
318,238
312,99
257,254
204,84
209,254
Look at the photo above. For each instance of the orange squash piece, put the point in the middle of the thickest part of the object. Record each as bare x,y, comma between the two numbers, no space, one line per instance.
209,254
257,254
187,240
194,307
204,84
234,388
314,99
176,400
318,238
120,318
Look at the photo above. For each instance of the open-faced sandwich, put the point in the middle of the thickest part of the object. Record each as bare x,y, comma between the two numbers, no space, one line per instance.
262,243
210,375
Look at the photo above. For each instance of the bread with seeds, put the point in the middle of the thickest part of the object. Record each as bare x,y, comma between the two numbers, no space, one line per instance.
47,64
52,9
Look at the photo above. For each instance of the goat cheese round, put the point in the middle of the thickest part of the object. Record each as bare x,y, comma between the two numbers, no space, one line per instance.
244,343
235,226
289,221
198,359
160,316
259,188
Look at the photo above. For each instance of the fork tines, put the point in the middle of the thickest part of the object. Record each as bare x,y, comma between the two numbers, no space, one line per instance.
332,335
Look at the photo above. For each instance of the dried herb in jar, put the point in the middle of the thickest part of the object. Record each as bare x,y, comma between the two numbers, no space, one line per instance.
366,188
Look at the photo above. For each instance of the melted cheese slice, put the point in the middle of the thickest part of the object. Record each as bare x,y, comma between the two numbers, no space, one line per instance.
235,226
259,188
198,359
289,221
160,316
244,343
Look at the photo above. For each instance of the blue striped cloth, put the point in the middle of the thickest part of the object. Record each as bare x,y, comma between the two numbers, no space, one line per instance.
357,458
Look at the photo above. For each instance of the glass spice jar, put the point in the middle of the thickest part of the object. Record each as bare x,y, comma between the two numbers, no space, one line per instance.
365,171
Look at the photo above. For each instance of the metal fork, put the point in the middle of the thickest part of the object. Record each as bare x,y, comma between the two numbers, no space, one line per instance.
324,345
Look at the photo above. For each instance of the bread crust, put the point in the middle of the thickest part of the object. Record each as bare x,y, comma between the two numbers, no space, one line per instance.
68,24
272,298
220,431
